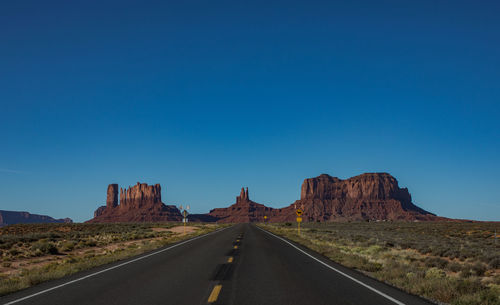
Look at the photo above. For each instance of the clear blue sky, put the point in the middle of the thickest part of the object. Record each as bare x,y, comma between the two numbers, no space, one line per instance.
204,97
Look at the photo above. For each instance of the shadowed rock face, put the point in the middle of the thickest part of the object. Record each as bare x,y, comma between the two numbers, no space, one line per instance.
140,203
12,217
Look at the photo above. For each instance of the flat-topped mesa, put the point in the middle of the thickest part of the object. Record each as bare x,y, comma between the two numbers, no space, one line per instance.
243,197
371,186
370,196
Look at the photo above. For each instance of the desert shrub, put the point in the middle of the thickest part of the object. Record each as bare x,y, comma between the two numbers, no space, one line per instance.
424,249
53,236
374,249
451,253
479,268
67,246
494,263
6,244
435,273
14,252
44,247
466,271
466,253
468,286
90,243
455,267
496,279
436,262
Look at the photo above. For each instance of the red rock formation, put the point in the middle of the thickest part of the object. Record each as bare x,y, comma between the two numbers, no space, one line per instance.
99,211
244,210
112,198
372,196
139,203
243,197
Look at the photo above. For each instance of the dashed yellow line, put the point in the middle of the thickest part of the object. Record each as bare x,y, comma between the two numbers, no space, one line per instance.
215,294
230,259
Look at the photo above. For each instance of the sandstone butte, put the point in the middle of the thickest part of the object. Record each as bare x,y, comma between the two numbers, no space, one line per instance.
370,196
140,203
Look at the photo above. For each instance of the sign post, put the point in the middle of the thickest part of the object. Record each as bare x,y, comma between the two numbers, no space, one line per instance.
185,214
299,213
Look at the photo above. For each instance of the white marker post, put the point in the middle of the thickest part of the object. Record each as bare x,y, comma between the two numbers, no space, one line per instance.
185,214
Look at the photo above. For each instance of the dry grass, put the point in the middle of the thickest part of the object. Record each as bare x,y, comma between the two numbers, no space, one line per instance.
31,254
456,263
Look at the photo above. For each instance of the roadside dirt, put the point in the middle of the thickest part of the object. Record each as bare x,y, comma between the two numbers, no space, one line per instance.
181,229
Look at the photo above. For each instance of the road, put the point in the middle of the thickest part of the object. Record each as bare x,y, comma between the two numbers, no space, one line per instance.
239,265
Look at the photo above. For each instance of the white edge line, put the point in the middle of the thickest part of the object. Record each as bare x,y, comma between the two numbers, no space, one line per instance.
111,268
338,271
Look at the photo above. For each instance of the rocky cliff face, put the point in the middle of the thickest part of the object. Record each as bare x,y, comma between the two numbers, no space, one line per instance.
12,217
139,203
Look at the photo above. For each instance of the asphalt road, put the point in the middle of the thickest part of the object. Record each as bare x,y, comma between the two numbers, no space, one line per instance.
239,265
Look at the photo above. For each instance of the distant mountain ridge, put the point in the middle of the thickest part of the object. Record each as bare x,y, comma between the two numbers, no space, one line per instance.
15,217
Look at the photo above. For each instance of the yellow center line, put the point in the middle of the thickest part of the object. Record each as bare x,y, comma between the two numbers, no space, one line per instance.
230,259
215,294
